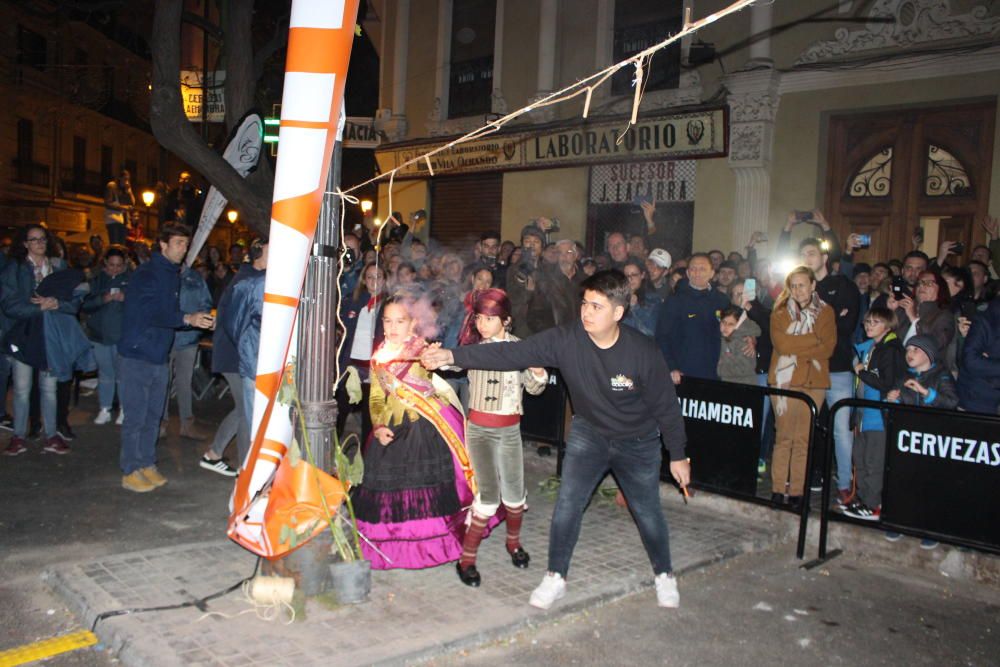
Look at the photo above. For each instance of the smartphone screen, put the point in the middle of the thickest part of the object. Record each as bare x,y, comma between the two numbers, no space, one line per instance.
750,289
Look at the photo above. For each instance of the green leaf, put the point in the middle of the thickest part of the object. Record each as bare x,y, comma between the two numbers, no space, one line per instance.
352,383
286,389
294,453
356,470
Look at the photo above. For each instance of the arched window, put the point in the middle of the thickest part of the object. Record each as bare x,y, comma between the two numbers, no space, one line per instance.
946,176
874,179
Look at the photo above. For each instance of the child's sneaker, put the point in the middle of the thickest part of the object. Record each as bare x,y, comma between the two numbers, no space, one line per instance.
666,591
103,417
893,536
928,544
552,588
859,510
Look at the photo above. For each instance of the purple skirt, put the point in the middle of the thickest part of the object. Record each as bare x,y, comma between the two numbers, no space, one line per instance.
414,500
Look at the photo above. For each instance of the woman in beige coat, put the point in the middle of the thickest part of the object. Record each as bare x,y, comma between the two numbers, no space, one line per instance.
804,334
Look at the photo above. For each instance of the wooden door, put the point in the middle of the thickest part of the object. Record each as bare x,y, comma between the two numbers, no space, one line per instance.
888,170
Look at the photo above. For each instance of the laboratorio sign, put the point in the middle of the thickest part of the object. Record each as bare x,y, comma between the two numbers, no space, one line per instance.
696,134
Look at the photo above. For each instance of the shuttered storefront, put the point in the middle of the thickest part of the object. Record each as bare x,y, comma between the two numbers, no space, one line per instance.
463,207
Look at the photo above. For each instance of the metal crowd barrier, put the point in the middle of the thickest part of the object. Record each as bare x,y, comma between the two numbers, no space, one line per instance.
713,446
941,479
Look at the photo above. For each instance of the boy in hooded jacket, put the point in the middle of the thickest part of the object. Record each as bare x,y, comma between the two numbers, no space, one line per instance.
928,382
880,369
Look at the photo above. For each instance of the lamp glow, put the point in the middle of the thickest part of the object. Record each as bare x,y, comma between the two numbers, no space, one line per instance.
232,216
366,205
148,197
784,267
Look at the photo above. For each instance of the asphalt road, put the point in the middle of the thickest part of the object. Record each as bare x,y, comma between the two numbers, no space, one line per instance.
762,609
754,610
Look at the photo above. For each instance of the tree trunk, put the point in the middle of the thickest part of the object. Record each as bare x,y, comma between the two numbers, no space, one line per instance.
172,128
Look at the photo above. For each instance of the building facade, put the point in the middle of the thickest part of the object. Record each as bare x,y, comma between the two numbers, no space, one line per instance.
76,111
882,114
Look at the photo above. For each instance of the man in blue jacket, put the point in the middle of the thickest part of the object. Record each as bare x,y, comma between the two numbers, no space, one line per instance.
242,324
152,313
687,329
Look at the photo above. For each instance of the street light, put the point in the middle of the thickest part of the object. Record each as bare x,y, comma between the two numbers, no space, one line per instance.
232,216
366,206
148,197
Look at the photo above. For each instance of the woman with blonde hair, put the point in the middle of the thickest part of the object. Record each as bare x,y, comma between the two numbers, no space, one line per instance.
804,334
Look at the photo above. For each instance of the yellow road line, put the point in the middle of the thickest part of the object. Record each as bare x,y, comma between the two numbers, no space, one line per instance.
47,648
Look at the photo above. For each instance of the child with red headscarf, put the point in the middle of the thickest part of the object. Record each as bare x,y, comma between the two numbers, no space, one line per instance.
493,432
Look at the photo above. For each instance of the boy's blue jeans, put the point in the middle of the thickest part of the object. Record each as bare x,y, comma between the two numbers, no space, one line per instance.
635,464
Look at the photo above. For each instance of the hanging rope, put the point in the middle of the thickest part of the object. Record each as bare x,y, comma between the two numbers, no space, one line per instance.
584,86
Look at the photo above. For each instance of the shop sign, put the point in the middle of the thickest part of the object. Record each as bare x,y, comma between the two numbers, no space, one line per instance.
194,93
697,134
663,181
359,132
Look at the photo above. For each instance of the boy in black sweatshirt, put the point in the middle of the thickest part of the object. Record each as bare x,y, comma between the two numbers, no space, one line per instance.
623,405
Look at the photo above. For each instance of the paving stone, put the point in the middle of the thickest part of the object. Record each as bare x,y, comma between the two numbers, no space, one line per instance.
427,611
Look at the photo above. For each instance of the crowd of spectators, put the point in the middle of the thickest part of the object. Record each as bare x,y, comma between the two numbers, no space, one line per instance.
807,318
63,316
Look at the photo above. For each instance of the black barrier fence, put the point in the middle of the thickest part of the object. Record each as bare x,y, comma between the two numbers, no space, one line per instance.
723,422
941,479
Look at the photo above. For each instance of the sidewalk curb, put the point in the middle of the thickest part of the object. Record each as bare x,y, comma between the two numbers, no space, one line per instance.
866,544
84,597
112,632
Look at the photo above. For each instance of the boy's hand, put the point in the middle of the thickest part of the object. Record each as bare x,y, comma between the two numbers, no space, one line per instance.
681,471
916,386
538,372
858,367
435,356
676,376
750,347
892,395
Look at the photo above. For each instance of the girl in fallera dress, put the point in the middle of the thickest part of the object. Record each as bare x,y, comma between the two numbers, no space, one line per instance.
418,482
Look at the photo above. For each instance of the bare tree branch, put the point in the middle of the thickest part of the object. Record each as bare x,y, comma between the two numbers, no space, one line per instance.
172,129
278,41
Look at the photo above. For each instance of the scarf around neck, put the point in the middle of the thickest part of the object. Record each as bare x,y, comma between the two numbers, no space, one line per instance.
802,322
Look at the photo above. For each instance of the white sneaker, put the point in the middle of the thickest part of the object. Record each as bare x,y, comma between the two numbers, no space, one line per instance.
552,588
103,417
666,591
121,418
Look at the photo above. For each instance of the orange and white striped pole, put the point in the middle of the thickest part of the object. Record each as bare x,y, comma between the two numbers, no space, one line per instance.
321,34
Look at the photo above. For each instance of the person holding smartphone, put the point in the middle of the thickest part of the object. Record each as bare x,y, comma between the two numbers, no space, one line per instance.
105,306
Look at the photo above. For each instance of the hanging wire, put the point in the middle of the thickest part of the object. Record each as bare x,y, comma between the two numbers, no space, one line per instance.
584,86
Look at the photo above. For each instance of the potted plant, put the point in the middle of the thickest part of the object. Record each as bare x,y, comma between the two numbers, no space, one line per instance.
349,571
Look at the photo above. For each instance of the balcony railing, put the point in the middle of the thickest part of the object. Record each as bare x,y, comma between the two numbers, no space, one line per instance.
30,173
82,182
471,87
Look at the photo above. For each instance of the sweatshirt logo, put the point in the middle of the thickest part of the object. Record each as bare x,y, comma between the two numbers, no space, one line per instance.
622,383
